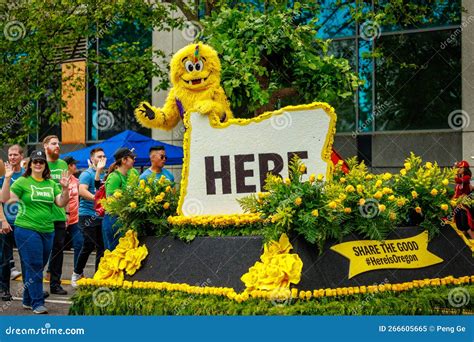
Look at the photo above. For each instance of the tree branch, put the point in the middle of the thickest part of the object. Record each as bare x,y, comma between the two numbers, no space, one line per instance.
188,13
277,95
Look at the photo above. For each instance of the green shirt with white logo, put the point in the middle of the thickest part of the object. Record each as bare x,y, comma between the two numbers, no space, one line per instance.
36,203
56,168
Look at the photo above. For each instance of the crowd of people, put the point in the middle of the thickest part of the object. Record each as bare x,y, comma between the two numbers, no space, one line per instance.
43,200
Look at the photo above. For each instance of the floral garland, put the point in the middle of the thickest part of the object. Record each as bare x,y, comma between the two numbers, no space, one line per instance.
126,257
272,295
216,220
277,270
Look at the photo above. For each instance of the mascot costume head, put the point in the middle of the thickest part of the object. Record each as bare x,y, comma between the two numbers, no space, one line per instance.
195,73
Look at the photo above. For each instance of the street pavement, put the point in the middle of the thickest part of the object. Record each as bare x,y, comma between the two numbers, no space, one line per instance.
57,305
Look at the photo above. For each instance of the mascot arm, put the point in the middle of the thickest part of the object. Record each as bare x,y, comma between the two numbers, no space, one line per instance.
162,118
217,107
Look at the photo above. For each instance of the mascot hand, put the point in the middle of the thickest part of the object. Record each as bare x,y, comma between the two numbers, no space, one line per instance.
215,110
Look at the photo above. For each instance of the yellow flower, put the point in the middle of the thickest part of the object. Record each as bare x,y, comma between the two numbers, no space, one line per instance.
378,183
392,216
312,178
387,191
147,190
391,197
434,192
142,183
382,207
168,188
315,213
158,198
407,165
320,177
418,210
369,177
347,210
403,172
387,176
302,168
287,181
453,203
342,180
428,165
378,195
298,201
162,180
350,188
342,197
361,201
445,182
133,205
117,194
414,194
360,188
444,207
166,205
332,205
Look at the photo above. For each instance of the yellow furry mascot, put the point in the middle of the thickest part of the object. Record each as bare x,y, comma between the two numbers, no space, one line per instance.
195,76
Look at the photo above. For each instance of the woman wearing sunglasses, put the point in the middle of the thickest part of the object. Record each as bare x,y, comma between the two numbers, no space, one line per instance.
36,193
117,178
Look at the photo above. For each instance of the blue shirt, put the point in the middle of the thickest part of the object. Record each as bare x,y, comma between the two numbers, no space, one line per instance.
86,207
11,210
147,173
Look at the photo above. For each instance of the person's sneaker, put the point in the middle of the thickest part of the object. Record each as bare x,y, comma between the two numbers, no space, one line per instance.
45,294
7,296
40,310
14,273
75,278
58,290
27,307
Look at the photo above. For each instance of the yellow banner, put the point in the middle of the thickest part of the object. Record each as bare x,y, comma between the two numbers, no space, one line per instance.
368,255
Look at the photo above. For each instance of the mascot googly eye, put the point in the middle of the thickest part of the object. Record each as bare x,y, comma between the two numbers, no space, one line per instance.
195,74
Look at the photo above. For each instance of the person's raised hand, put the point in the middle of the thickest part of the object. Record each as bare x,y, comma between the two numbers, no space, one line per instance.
8,170
101,164
64,181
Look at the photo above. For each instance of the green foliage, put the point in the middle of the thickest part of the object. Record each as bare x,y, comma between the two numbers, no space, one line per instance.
144,206
41,35
358,202
270,60
421,301
190,232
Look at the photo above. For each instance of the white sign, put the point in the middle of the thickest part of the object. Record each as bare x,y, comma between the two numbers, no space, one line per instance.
231,160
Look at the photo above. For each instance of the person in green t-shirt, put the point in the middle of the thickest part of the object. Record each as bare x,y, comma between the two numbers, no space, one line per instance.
36,194
57,166
117,179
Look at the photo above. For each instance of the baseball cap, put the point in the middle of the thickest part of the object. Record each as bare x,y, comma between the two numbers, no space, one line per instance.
122,153
70,160
37,155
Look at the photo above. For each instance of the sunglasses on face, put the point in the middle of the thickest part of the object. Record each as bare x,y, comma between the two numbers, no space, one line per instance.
41,162
163,157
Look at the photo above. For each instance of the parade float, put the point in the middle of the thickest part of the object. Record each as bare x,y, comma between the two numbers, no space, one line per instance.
266,222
